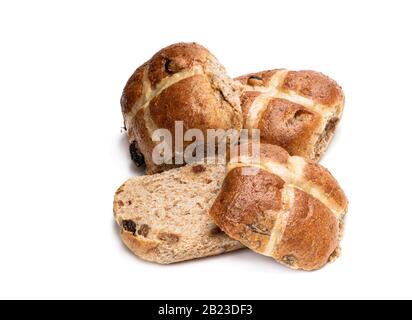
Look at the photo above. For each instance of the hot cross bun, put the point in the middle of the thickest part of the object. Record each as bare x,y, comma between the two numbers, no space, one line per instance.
283,207
183,82
297,110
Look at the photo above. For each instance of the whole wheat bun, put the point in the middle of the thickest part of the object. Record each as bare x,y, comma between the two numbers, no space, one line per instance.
163,218
183,82
283,207
297,110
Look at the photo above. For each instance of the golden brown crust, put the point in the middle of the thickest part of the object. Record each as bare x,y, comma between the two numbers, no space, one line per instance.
311,234
267,152
246,101
299,110
283,207
183,82
317,175
289,125
142,136
314,85
176,58
248,203
140,246
133,90
259,79
192,101
271,152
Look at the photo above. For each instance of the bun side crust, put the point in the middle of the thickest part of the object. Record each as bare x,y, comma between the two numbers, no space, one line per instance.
298,110
308,222
133,90
316,175
183,82
292,211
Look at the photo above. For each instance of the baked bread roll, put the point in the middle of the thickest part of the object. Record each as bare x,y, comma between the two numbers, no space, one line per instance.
297,110
183,82
282,207
164,217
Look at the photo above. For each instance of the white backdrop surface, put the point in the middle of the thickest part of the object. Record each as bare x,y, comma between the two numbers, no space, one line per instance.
63,66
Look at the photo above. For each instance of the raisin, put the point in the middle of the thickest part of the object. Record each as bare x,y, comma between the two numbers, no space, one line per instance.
198,169
289,260
143,230
215,231
176,64
168,237
167,65
255,80
135,154
130,226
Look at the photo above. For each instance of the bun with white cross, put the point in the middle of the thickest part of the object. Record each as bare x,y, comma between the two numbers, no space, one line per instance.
297,110
283,207
183,82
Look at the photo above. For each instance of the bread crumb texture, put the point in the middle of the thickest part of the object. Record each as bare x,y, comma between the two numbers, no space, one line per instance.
164,218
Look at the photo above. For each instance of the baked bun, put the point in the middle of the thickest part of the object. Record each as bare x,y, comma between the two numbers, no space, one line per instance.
297,110
282,207
183,82
163,218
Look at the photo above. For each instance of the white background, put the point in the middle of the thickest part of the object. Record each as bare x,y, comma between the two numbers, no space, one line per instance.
62,70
